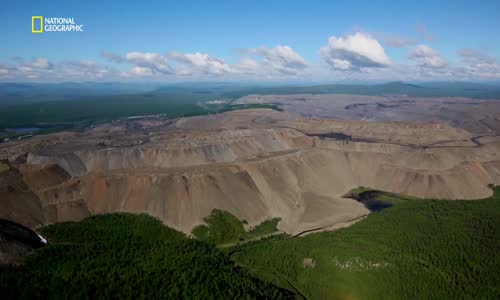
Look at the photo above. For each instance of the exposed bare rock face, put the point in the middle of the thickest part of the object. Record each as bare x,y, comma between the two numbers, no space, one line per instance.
256,164
18,202
39,194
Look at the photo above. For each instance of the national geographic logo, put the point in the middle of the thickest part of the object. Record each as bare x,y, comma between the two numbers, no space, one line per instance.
40,24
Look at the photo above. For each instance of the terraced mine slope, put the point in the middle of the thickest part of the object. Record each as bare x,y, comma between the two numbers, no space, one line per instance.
256,164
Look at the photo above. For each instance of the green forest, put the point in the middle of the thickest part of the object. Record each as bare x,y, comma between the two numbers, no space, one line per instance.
129,257
416,249
223,228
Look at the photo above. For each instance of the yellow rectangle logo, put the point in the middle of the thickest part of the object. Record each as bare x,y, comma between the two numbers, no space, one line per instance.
33,20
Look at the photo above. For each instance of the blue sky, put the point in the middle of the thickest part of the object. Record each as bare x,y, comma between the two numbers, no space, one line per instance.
248,40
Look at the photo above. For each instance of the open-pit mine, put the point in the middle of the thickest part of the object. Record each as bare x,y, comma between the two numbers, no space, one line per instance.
257,164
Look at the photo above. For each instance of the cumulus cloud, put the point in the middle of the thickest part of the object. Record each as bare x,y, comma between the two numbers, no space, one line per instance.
201,63
354,52
478,65
43,69
83,69
36,68
280,59
140,71
155,62
143,63
356,56
427,57
248,66
40,63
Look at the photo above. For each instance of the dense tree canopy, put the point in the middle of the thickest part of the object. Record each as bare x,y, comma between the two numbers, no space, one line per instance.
129,256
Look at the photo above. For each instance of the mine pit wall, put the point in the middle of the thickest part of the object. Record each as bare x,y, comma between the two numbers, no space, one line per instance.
70,162
33,195
182,200
165,156
301,184
286,186
304,188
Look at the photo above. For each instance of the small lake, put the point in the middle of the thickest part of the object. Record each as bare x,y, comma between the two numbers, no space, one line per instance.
371,201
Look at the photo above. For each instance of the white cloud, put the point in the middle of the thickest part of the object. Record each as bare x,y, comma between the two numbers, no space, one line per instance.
356,56
38,63
354,52
43,69
427,57
25,69
280,59
155,62
32,69
83,69
248,66
140,71
478,65
201,63
41,63
341,64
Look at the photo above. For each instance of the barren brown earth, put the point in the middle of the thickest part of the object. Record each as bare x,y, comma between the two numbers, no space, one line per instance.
256,164
475,115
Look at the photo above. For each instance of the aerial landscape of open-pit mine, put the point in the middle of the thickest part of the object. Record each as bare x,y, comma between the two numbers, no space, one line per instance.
257,164
343,150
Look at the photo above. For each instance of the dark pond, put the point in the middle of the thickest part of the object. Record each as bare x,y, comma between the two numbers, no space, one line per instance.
369,199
